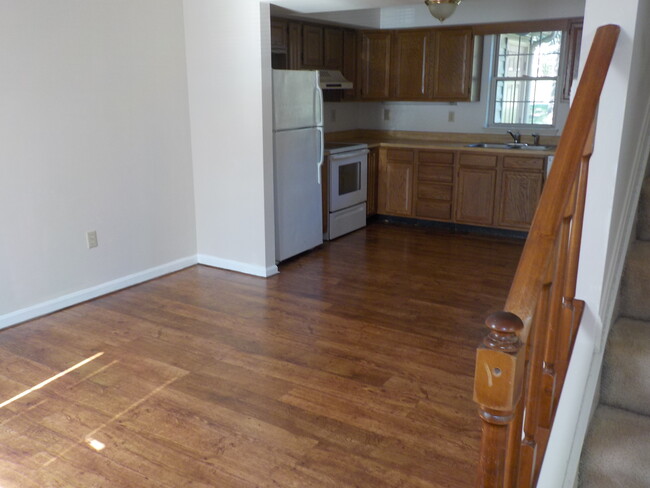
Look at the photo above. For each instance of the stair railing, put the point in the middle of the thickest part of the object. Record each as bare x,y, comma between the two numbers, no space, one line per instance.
522,363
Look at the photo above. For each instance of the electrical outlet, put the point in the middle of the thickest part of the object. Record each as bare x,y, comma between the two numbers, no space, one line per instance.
452,116
386,114
333,115
91,239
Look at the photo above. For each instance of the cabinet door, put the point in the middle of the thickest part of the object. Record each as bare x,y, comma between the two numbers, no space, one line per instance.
349,68
573,58
410,73
332,48
520,192
373,170
375,65
295,45
279,40
452,65
312,46
396,183
475,195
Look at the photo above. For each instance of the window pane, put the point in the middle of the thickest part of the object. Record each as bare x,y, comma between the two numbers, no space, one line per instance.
520,97
524,102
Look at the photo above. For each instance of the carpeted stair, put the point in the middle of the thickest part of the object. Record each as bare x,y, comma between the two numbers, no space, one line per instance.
617,448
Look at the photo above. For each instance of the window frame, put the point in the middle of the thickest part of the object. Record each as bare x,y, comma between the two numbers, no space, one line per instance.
493,79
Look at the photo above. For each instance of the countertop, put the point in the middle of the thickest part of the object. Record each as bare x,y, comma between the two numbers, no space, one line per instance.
433,140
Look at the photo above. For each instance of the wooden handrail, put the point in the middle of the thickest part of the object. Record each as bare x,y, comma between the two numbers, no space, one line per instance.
521,365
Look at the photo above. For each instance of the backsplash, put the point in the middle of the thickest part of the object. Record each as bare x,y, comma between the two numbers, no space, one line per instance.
419,116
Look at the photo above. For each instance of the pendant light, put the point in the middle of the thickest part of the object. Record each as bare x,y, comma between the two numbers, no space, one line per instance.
441,9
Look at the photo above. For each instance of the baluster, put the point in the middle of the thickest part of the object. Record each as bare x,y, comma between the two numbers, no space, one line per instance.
529,444
548,379
497,390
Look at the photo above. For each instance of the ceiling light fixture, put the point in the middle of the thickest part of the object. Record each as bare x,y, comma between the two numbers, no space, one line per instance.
441,9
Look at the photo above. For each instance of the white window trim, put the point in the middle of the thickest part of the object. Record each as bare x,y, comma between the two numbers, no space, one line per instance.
493,83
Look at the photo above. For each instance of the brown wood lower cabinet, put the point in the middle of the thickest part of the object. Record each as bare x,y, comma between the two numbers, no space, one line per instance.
396,169
435,185
476,191
493,189
373,174
520,188
477,177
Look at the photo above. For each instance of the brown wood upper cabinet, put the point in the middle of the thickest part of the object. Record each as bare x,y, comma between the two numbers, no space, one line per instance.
279,36
452,61
375,65
349,68
312,46
573,58
333,48
417,64
410,69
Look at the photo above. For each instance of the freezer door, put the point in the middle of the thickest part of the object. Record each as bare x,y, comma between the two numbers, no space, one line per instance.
297,100
298,198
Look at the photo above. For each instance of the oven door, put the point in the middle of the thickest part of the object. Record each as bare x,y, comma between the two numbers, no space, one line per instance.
348,179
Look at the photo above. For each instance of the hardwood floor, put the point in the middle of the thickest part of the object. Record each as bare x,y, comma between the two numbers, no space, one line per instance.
351,368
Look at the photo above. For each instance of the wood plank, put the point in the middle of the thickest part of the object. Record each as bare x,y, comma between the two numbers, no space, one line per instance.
352,367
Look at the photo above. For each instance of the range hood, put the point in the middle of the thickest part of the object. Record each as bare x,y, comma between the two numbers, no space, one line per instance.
333,80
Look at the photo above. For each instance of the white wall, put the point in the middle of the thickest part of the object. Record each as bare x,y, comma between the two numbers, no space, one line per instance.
95,136
228,65
616,173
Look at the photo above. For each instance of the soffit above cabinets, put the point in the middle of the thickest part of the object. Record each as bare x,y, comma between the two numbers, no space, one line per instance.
314,6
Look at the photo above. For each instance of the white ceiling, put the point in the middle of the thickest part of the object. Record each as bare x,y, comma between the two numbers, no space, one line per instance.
313,6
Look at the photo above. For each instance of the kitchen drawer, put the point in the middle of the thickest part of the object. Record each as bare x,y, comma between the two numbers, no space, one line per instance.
521,162
435,172
435,191
401,155
430,209
478,160
436,157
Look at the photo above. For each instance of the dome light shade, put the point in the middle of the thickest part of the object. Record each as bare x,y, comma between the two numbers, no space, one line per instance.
441,9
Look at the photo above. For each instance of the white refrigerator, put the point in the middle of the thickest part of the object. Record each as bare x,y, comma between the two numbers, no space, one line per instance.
298,158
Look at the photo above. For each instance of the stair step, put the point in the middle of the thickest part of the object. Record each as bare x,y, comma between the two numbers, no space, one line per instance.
625,380
643,215
635,286
617,450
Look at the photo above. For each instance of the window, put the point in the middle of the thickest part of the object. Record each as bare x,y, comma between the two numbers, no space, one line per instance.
525,78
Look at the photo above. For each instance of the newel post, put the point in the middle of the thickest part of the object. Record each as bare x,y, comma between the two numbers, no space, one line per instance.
498,383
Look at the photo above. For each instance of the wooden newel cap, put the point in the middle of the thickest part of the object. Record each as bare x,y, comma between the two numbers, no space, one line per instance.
504,335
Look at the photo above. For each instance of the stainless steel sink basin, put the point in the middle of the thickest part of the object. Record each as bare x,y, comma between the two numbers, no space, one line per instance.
512,145
489,145
541,148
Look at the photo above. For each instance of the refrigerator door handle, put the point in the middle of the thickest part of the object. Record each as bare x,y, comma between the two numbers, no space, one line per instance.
321,157
318,105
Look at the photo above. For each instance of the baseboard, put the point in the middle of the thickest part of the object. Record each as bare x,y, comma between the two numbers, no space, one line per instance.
237,266
56,304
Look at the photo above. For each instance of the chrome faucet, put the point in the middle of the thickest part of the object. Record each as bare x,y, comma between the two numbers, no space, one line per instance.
535,139
516,136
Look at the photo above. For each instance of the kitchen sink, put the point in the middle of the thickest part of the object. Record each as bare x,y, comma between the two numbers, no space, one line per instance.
512,145
489,145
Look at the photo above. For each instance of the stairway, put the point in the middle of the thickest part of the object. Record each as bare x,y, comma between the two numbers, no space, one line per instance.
617,448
